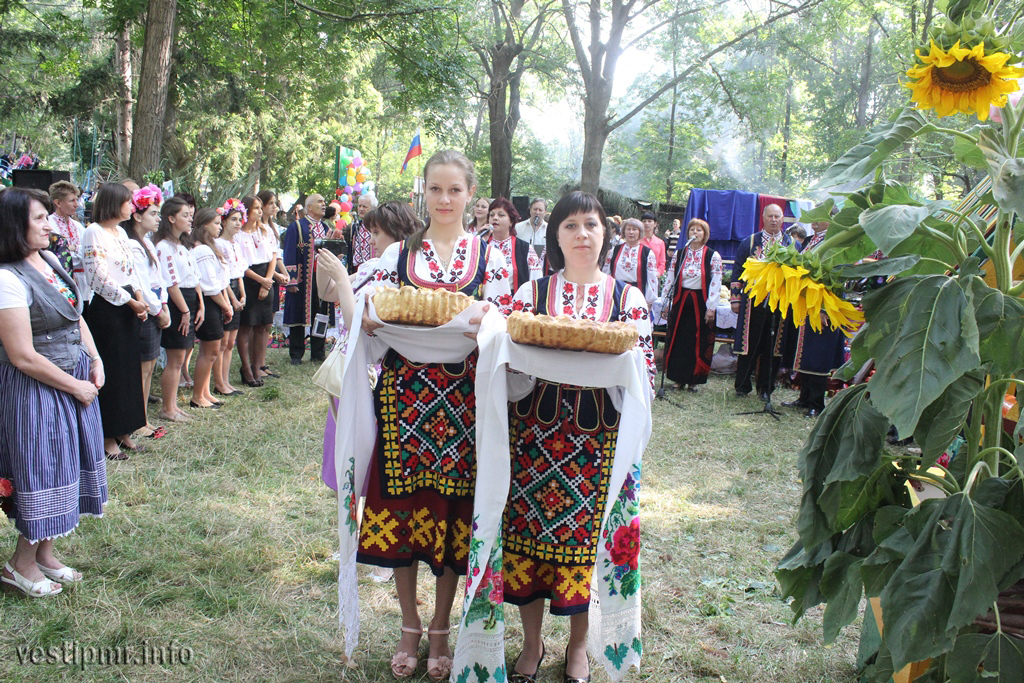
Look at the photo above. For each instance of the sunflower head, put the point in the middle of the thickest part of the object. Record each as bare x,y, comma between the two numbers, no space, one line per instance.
962,80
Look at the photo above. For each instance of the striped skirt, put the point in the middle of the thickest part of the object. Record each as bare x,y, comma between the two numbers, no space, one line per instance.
51,448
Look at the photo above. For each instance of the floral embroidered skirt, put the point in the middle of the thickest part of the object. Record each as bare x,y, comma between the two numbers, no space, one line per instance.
563,445
419,499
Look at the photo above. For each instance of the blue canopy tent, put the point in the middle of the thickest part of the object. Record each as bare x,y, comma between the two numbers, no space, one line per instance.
731,214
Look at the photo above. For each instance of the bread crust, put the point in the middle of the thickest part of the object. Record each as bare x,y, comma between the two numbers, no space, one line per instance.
415,306
571,334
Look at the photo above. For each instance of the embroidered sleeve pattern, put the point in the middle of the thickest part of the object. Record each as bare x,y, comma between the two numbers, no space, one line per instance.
652,278
716,281
95,262
635,311
385,272
497,284
168,269
534,262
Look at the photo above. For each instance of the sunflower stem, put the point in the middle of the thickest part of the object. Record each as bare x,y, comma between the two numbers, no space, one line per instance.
957,133
964,218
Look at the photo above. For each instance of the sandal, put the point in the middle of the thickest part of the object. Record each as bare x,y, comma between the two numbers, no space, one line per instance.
62,575
33,589
135,448
403,664
158,433
117,455
267,372
439,668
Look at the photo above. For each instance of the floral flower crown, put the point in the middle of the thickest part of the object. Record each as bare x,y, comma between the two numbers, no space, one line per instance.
234,205
147,196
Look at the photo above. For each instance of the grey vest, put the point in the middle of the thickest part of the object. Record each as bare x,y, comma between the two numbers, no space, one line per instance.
55,324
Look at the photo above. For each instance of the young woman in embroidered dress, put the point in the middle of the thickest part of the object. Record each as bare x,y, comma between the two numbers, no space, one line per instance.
695,278
144,221
478,218
213,283
178,268
116,310
422,478
228,248
272,232
563,441
633,263
523,262
259,244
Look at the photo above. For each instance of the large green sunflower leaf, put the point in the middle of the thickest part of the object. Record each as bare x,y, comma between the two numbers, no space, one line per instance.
877,145
923,337
950,576
1000,327
841,585
844,445
980,657
942,420
888,226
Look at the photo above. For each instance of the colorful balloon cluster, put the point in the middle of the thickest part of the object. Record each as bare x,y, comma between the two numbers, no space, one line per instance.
352,183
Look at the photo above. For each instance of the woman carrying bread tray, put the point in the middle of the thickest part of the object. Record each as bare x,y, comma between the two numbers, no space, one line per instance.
555,532
419,499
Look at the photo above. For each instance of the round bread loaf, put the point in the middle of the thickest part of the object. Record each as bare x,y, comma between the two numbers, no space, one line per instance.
415,306
571,334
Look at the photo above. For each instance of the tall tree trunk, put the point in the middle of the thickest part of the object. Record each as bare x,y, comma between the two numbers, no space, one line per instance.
123,66
864,90
497,118
786,130
595,135
153,80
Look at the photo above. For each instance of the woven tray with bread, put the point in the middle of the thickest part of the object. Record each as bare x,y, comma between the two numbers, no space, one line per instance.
414,306
571,334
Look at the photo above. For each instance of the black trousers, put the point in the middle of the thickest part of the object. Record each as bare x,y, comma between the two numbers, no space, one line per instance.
812,391
297,333
761,353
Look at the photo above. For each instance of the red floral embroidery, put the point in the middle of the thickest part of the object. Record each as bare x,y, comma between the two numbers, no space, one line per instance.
626,545
6,488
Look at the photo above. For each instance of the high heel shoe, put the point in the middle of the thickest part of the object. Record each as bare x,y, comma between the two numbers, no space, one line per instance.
519,677
566,678
403,664
439,668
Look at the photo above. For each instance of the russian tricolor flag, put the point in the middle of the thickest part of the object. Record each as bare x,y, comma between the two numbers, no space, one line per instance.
414,151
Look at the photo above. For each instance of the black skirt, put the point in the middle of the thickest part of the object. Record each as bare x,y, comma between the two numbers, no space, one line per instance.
172,337
117,337
257,311
236,319
212,328
149,339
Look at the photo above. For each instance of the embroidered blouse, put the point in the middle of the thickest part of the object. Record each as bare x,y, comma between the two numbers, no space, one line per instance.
507,247
232,254
108,263
213,273
431,272
153,290
256,247
596,305
691,274
625,269
177,265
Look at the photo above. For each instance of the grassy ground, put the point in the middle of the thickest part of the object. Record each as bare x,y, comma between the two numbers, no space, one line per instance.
218,541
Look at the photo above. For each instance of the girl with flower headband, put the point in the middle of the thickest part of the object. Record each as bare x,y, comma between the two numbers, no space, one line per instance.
143,223
229,227
213,281
178,268
259,248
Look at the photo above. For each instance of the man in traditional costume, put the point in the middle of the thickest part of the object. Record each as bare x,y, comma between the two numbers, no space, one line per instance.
758,342
360,242
302,302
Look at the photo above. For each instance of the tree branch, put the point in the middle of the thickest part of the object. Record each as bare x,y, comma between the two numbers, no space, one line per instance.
677,15
574,36
728,95
704,58
362,16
